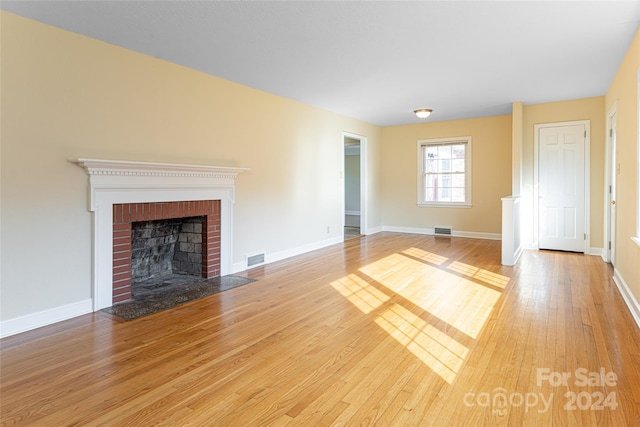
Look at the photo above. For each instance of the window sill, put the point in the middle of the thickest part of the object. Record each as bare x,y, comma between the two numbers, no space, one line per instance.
445,205
636,240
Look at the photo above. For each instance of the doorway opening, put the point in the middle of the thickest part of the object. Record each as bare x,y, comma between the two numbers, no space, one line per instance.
354,174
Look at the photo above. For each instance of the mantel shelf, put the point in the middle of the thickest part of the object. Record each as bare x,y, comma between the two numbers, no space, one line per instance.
122,167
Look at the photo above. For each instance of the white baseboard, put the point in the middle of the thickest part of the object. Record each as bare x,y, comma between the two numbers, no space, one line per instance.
512,259
429,231
410,230
627,295
373,230
597,251
288,253
44,318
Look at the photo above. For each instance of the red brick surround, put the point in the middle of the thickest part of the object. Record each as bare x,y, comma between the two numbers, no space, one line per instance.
125,214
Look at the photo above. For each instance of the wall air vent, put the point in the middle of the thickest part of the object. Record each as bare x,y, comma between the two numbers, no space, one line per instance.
255,260
442,231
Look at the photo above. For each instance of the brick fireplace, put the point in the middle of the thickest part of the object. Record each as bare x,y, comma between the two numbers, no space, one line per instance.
124,192
125,214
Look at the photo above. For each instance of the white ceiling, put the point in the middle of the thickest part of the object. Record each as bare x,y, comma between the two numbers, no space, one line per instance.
375,61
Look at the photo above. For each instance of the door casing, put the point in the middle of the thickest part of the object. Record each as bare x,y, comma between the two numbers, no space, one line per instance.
608,254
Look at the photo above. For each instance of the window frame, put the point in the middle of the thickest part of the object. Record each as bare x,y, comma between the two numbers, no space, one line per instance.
466,140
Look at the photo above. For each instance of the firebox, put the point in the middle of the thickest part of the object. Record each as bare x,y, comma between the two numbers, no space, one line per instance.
151,240
165,247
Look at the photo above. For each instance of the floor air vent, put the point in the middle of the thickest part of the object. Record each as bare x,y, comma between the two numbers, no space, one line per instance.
442,231
254,260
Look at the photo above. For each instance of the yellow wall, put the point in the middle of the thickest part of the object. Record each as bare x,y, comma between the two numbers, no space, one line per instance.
591,109
491,175
623,93
66,96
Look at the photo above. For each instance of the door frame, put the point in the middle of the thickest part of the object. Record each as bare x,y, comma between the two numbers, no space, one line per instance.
363,180
608,253
587,179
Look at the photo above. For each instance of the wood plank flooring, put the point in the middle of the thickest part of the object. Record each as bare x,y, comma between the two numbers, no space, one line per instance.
389,330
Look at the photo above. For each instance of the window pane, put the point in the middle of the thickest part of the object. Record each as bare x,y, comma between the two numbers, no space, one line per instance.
458,151
457,165
432,151
444,152
431,180
457,195
430,194
444,194
458,180
431,166
445,165
446,180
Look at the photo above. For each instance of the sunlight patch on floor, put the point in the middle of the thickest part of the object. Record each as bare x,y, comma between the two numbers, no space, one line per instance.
428,293
426,256
480,274
462,303
360,293
441,353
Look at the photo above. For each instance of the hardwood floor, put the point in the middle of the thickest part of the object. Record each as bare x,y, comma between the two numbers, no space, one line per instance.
389,330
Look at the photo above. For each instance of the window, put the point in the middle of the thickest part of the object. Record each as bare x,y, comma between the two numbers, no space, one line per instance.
444,172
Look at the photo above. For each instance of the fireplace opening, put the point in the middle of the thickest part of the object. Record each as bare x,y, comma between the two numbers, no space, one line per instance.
163,243
165,252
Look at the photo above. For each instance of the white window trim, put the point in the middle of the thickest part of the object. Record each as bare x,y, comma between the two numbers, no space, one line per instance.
468,161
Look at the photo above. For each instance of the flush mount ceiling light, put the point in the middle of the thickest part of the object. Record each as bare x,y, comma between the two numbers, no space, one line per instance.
423,113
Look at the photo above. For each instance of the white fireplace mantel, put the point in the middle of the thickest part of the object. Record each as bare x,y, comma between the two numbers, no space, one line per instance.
114,182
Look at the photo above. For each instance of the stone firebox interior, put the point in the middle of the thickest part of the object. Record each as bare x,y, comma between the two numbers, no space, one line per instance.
166,246
151,240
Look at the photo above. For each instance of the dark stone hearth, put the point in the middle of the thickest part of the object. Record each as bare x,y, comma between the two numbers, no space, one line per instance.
171,291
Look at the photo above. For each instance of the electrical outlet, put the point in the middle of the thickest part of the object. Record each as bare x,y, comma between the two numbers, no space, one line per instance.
328,229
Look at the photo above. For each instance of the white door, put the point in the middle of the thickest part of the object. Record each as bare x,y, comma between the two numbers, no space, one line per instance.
562,188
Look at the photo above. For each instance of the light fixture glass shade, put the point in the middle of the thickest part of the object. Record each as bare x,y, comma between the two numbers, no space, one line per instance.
423,113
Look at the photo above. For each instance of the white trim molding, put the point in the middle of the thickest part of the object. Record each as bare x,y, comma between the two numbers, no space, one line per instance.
627,296
288,253
114,182
43,318
430,232
511,245
374,230
609,187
